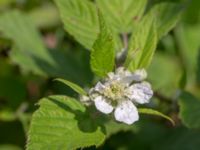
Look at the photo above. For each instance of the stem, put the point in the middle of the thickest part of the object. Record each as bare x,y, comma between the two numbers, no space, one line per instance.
122,55
125,40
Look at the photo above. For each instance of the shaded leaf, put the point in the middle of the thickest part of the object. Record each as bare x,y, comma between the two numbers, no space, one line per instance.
198,69
189,110
166,15
28,43
30,53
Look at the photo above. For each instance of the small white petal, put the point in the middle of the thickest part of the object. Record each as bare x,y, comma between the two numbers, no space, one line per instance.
120,70
111,75
140,92
102,105
126,112
85,100
99,87
139,75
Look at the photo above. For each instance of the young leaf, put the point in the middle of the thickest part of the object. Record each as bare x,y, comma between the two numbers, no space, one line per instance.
189,110
142,45
75,87
80,20
60,123
156,113
102,58
122,15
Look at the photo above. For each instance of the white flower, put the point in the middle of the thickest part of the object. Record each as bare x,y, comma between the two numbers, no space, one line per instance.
140,92
119,92
85,100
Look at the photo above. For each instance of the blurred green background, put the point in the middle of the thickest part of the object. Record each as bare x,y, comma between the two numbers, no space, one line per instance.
27,70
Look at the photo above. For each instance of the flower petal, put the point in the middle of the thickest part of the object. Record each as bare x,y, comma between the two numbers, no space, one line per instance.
102,105
99,87
140,92
139,75
126,112
85,100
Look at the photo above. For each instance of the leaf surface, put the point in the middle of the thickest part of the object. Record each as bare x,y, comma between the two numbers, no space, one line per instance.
61,123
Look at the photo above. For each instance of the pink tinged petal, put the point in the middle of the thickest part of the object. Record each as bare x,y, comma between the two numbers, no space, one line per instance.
102,105
126,112
140,92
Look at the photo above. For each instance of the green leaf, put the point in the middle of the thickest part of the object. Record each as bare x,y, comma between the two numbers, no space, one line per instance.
30,53
49,12
61,123
80,20
142,45
102,58
9,147
168,70
75,87
113,127
198,69
122,15
167,15
18,27
189,110
155,112
178,139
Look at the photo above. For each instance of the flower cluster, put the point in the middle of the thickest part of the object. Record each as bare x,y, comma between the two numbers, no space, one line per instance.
120,91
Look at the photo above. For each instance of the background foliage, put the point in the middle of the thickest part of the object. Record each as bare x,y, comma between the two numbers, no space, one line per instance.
42,40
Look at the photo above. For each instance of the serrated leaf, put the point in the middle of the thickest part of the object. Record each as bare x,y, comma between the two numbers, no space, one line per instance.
156,113
80,20
75,87
122,15
189,110
142,45
102,58
167,14
60,123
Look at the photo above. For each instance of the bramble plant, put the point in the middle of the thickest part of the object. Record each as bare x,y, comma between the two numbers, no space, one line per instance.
123,68
120,66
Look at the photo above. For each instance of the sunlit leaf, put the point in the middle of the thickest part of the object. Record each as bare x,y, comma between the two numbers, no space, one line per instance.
142,45
60,123
122,15
103,52
75,87
80,20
